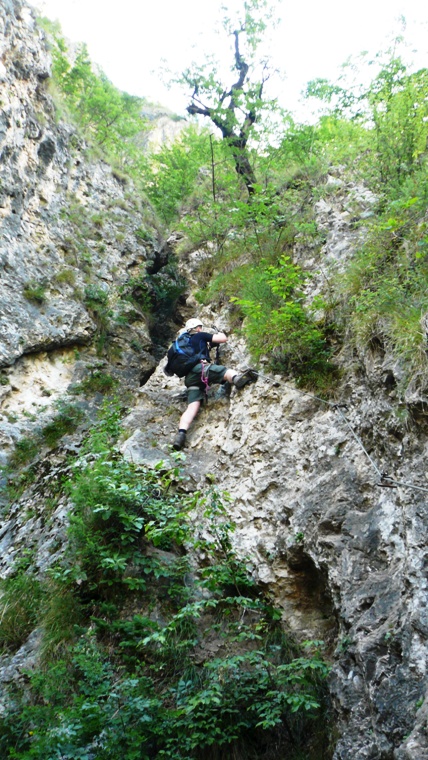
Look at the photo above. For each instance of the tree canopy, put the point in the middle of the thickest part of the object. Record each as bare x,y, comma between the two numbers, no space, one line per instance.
235,107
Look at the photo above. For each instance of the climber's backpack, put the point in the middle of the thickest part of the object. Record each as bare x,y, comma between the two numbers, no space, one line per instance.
182,357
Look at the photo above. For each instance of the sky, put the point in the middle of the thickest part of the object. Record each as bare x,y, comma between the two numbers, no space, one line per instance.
132,39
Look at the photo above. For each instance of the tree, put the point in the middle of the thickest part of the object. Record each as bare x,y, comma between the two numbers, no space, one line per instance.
235,108
108,117
393,109
399,111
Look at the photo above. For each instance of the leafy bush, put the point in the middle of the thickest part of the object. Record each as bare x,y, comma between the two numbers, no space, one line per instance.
67,276
25,450
96,297
65,422
128,621
398,107
383,290
165,288
109,117
137,290
278,325
172,172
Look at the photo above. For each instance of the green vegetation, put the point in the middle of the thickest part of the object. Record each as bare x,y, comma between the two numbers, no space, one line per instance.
66,276
25,450
171,176
382,293
165,287
21,595
82,229
278,325
155,656
35,292
257,248
96,297
97,300
246,194
108,117
65,422
96,382
155,294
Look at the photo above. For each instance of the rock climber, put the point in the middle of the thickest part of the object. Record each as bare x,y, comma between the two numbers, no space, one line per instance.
205,374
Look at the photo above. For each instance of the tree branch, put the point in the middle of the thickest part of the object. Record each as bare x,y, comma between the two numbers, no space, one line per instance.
235,127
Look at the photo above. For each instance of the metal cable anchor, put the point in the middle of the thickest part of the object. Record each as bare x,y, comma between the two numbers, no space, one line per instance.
386,481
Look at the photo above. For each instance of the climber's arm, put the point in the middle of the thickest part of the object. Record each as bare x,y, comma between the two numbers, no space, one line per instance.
219,338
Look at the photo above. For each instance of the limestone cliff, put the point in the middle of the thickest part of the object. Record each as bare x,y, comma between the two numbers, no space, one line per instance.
343,556
76,244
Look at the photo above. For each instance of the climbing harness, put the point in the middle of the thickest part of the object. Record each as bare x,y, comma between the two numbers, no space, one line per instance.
204,379
385,480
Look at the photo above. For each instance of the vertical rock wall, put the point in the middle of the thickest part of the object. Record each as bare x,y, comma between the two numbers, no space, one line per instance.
67,223
344,558
74,236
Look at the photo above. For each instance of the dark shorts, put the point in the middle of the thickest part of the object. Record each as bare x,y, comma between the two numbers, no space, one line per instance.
193,381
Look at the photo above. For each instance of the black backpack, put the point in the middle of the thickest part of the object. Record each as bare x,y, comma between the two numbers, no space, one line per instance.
182,357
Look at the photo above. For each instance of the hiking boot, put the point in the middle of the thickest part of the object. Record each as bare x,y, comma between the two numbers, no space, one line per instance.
249,376
179,441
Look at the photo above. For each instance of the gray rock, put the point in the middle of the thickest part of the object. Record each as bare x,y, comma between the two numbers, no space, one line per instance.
344,558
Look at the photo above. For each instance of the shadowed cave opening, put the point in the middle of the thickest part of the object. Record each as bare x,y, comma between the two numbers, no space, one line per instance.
304,594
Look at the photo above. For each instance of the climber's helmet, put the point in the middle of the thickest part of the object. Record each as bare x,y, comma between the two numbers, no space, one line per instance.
193,323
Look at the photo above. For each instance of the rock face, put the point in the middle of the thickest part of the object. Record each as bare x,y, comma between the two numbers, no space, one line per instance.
74,243
164,128
344,557
69,226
